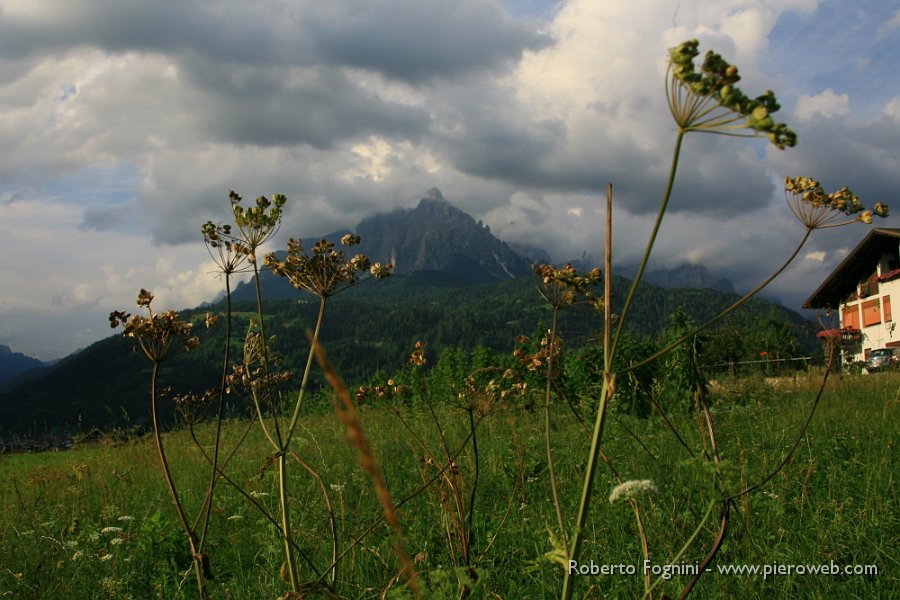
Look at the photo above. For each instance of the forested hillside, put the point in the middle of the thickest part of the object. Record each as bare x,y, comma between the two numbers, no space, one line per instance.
373,327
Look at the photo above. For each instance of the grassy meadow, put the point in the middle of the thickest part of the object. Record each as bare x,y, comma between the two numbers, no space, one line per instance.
97,522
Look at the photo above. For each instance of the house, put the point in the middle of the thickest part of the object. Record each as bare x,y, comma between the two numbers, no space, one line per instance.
861,288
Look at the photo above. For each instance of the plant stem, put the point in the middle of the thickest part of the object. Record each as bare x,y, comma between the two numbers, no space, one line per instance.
470,520
589,476
650,242
309,361
218,438
276,444
607,284
286,523
170,484
554,487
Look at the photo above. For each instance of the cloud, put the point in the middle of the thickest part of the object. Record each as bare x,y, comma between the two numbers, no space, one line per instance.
826,104
418,40
889,26
101,218
817,256
124,126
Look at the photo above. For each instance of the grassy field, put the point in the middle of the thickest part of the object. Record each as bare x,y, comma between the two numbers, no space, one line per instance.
96,521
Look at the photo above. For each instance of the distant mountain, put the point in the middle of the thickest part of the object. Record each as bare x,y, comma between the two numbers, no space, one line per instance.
437,236
13,364
436,240
694,276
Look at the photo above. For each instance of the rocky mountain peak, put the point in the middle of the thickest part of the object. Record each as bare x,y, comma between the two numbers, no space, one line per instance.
437,236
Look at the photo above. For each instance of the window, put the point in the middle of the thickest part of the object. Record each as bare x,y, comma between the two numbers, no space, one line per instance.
850,316
871,313
886,308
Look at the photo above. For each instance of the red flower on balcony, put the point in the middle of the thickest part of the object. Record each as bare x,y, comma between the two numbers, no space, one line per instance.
889,276
847,335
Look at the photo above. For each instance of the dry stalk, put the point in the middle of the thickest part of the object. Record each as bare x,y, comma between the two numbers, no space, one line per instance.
347,413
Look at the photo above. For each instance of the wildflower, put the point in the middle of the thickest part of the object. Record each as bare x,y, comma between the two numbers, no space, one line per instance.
256,494
77,555
227,251
350,239
565,286
631,489
235,518
126,518
324,271
116,541
337,487
817,209
111,530
106,556
710,101
157,332
417,358
257,224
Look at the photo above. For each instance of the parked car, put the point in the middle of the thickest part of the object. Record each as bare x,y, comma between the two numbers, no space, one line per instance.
882,358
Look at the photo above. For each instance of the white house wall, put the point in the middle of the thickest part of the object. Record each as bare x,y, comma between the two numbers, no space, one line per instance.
884,333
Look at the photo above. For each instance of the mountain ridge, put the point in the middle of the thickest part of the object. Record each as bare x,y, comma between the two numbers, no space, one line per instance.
14,364
456,285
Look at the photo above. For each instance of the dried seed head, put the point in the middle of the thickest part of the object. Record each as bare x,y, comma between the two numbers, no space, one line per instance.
708,99
817,209
325,271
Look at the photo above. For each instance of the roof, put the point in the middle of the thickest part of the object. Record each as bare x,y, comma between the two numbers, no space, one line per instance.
855,267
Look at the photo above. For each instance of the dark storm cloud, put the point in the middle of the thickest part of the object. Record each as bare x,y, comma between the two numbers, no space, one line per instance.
272,107
282,73
408,40
415,40
861,155
715,178
228,31
101,218
842,151
508,151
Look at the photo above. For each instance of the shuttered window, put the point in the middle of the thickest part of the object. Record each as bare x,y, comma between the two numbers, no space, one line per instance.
886,308
871,313
851,317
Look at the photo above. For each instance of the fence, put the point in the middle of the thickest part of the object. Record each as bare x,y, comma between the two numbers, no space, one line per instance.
771,367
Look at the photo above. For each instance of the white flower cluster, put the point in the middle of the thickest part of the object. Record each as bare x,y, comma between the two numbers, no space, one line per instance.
631,489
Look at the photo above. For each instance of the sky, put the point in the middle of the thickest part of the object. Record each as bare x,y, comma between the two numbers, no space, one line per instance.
123,126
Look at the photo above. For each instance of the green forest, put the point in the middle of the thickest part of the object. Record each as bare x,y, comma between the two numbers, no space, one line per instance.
371,330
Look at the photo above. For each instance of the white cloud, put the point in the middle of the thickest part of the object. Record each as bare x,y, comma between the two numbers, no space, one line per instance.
826,104
889,26
892,109
817,256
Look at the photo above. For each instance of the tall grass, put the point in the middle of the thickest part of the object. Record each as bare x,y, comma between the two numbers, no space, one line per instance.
836,501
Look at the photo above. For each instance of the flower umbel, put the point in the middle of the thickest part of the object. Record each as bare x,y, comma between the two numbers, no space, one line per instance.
225,249
817,209
325,271
710,101
159,335
631,489
257,224
565,286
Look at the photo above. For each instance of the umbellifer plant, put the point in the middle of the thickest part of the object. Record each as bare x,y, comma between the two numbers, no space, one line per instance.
704,100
